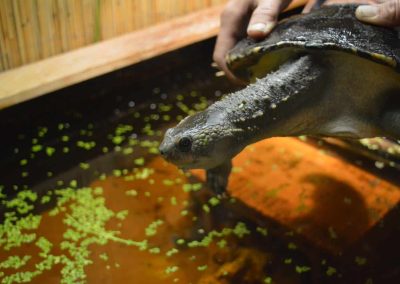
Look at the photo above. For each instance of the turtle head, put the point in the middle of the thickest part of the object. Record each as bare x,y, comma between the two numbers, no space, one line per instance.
199,141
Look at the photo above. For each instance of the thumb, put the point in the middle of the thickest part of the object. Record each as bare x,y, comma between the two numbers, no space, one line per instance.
386,14
264,17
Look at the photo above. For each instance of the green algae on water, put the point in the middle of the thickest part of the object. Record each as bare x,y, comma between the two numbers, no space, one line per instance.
85,215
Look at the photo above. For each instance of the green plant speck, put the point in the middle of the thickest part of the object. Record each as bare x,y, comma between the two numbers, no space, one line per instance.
206,208
84,166
302,269
202,267
262,231
131,192
222,243
287,261
151,229
360,260
139,161
268,280
37,148
330,271
50,151
213,201
154,250
171,269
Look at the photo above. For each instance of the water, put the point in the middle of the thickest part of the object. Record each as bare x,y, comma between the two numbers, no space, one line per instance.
87,198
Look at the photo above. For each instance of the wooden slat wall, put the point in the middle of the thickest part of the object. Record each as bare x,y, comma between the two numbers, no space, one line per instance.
31,30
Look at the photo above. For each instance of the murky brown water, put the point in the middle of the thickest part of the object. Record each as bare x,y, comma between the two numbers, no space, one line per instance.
94,202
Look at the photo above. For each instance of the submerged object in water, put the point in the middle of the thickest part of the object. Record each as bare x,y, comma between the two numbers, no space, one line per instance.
323,74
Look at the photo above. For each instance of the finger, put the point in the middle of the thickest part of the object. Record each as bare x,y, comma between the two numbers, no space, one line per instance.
265,16
233,23
386,14
309,6
311,3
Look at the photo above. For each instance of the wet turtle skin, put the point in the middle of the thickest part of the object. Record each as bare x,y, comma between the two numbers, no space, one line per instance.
332,27
323,74
329,28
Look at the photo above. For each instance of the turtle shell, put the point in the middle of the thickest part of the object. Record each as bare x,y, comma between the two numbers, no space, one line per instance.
329,28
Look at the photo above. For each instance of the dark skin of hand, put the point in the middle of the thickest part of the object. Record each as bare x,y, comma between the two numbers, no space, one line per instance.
257,18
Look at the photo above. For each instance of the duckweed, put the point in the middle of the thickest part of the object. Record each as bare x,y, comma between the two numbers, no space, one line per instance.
37,148
202,267
302,269
206,208
50,151
65,138
240,230
86,217
84,214
103,256
87,145
151,229
44,245
139,161
262,231
268,280
330,271
154,250
213,201
187,187
15,262
222,243
174,201
127,151
131,192
171,269
171,252
84,166
360,260
287,261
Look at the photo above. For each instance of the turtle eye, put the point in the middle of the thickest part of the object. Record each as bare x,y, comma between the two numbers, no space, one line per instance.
184,144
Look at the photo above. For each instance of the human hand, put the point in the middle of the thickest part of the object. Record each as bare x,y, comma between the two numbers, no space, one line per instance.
255,18
385,13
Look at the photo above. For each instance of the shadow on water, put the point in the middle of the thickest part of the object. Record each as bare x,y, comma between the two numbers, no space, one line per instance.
338,206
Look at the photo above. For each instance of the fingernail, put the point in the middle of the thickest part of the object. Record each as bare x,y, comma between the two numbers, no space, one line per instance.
366,11
261,27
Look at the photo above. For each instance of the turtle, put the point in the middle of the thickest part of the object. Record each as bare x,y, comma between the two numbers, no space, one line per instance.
323,74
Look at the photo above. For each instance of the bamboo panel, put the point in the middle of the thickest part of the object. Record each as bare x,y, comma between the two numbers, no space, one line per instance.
31,30
3,57
33,80
11,52
88,20
46,31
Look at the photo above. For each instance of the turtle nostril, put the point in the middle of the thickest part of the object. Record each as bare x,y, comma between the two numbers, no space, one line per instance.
162,151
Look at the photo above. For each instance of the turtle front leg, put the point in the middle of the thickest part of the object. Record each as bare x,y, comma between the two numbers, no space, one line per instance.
217,178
